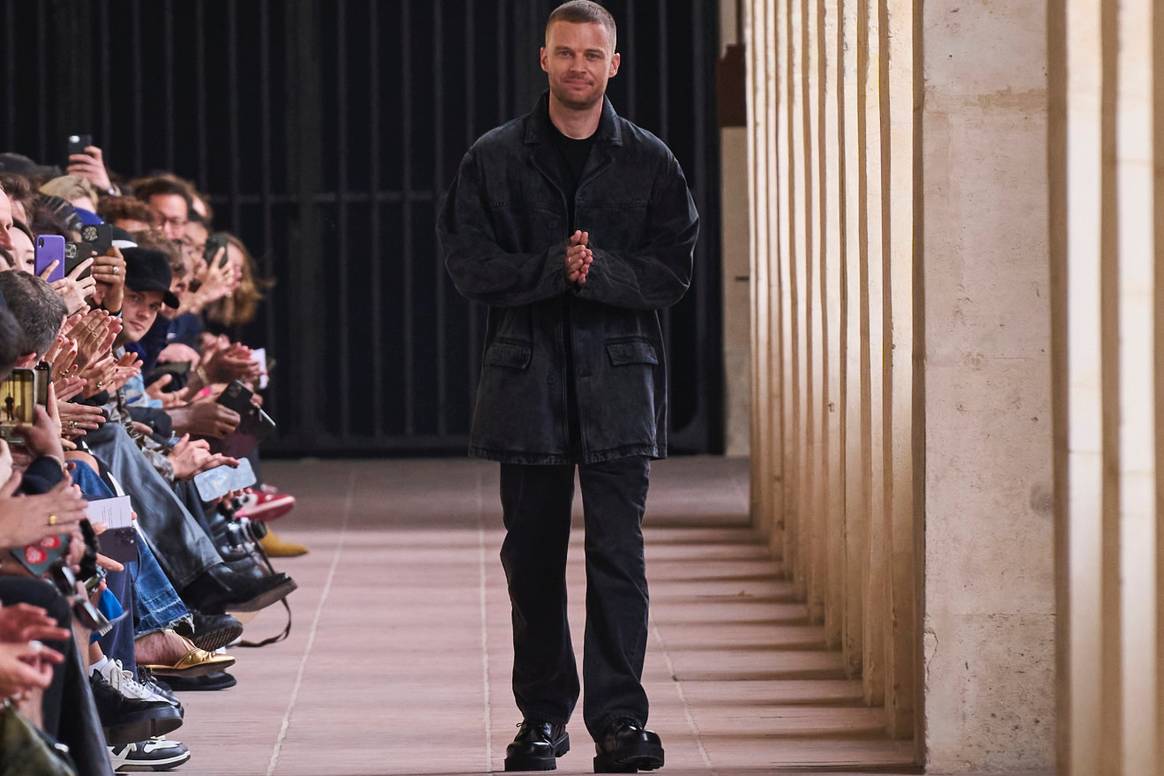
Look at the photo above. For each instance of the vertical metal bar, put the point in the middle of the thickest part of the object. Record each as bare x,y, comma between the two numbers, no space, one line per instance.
700,149
138,88
168,79
437,182
373,191
200,91
10,69
471,135
232,109
106,138
502,60
663,36
341,198
268,268
628,26
406,118
42,45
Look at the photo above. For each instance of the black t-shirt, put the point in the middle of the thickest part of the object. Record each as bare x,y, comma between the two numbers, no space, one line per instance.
573,154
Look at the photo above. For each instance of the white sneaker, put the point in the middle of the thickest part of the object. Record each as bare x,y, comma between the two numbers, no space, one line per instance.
155,754
123,681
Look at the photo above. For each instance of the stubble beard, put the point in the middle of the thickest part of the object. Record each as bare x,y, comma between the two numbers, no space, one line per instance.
563,97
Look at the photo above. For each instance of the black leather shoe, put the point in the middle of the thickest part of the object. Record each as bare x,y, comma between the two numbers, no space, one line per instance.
220,589
537,747
127,720
626,747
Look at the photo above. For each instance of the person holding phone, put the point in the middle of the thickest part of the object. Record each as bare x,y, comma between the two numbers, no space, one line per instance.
576,227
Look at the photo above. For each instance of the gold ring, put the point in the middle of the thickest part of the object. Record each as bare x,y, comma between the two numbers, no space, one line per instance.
52,520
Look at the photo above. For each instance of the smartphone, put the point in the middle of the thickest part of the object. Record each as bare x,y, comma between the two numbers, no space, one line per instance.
75,253
217,482
43,378
214,243
76,144
40,557
18,394
98,236
50,248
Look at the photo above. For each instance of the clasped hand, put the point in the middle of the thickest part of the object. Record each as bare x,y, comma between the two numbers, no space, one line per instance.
579,257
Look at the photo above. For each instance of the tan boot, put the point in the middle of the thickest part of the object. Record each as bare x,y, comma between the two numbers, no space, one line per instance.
277,547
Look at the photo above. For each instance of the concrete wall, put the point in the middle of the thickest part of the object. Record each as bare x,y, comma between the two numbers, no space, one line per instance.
989,532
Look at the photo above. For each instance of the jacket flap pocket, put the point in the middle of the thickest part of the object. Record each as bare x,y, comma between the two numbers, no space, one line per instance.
631,352
509,355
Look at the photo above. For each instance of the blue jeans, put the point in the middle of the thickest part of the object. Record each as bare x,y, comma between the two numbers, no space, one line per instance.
156,604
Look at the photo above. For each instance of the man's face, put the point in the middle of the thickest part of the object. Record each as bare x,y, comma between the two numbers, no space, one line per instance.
5,222
23,251
579,60
131,225
172,214
194,239
138,313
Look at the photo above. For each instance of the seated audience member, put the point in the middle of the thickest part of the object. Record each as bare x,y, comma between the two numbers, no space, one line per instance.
112,427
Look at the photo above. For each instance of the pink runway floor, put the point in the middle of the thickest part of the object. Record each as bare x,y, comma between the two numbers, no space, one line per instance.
400,655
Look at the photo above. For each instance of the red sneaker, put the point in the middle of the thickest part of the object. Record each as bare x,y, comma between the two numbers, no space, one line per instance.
266,506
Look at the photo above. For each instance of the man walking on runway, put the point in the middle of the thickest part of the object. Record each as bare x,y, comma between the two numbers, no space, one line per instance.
576,227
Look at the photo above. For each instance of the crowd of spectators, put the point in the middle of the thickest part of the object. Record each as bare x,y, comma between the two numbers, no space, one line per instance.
140,393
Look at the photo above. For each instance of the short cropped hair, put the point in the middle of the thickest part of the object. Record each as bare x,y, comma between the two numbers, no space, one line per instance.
584,12
144,188
10,336
36,307
125,208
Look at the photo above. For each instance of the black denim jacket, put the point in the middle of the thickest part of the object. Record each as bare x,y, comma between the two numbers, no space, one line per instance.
503,231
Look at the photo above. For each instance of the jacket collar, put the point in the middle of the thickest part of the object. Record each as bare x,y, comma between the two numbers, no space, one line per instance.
537,123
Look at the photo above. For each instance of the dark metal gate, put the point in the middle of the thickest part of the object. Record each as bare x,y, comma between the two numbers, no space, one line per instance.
325,132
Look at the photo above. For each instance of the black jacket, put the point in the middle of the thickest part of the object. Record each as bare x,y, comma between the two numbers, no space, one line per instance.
503,231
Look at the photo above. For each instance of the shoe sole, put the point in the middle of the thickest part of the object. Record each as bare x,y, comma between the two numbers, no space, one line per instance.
154,766
268,512
640,758
193,672
195,685
263,600
539,763
143,725
217,638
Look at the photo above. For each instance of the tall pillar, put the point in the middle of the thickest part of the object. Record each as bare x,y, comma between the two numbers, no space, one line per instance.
989,592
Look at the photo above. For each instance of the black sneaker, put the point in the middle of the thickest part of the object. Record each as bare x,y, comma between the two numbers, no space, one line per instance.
537,747
214,631
626,747
155,754
127,720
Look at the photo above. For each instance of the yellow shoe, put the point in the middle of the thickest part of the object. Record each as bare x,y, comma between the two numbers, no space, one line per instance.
277,547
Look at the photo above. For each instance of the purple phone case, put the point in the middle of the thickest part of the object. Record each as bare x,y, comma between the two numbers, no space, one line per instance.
50,248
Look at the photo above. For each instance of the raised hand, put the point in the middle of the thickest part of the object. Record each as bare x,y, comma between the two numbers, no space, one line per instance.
79,419
74,289
24,622
28,519
205,418
91,165
109,274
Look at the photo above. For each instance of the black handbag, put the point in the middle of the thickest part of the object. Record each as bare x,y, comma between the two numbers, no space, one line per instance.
26,751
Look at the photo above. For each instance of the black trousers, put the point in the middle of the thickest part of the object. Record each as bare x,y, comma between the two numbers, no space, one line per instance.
536,501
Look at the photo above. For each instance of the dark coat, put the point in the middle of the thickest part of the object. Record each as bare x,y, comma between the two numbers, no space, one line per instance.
503,229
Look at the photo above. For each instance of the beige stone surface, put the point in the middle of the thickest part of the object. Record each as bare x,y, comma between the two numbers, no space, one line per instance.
989,572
